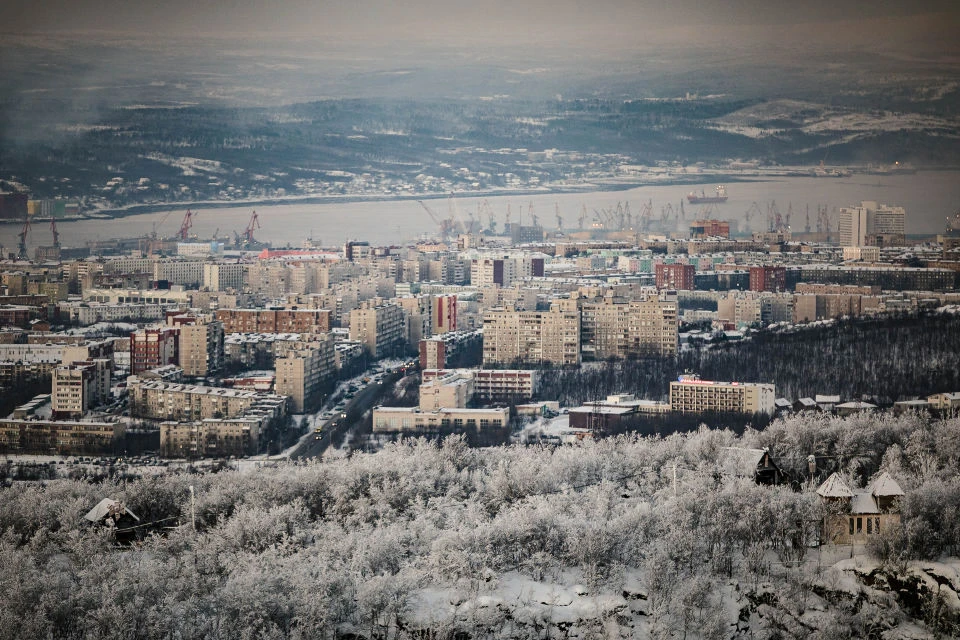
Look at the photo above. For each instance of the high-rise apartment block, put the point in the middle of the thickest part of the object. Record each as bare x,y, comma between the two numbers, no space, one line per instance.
151,348
80,386
380,327
613,328
201,348
872,224
303,370
532,337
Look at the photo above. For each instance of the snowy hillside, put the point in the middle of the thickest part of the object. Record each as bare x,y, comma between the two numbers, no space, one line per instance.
620,538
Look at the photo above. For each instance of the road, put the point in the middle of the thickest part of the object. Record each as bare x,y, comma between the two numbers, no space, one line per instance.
338,425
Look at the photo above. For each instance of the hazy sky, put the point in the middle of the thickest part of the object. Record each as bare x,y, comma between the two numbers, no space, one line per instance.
494,21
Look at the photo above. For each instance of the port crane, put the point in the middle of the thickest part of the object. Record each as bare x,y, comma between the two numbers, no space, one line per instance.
22,244
252,226
583,216
56,234
445,225
559,219
153,234
186,225
754,210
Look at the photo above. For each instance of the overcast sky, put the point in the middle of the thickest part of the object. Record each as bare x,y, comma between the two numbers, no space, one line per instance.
491,21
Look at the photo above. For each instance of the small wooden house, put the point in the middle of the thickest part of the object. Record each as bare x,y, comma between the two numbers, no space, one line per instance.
857,515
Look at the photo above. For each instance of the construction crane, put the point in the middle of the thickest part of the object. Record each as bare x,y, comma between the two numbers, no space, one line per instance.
56,234
153,234
645,212
252,226
22,245
186,225
445,226
455,213
754,210
487,210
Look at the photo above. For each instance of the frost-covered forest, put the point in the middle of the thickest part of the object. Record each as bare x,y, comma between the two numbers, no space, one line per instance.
622,537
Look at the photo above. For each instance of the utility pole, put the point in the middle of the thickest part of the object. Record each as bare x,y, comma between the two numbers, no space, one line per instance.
193,512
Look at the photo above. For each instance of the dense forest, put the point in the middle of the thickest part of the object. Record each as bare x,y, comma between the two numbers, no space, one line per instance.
622,537
887,358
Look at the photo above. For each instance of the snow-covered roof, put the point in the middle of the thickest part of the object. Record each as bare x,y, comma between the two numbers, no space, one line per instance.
883,485
807,402
856,405
106,507
827,399
834,487
863,502
742,462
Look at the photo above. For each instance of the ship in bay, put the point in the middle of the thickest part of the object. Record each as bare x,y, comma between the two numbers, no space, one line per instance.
703,198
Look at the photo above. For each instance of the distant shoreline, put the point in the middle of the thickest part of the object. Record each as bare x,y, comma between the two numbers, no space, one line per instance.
142,209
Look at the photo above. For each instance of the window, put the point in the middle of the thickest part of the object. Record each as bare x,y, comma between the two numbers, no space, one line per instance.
851,526
859,525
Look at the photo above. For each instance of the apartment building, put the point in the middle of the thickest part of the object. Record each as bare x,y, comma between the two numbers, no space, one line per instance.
303,371
210,438
151,348
380,327
415,420
183,272
169,401
492,386
768,278
689,394
675,276
80,386
201,349
616,328
532,337
221,276
485,272
274,320
60,437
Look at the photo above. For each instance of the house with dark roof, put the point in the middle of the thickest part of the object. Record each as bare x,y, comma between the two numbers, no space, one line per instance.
855,515
756,464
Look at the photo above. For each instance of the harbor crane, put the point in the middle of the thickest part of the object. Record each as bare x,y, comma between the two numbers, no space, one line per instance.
252,226
22,244
186,225
444,225
153,234
559,219
56,234
583,217
753,211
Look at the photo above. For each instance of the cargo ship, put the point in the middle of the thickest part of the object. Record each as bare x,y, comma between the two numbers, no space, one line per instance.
703,198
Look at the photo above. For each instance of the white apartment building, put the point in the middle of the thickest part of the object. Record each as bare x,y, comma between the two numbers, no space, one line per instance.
689,394
223,276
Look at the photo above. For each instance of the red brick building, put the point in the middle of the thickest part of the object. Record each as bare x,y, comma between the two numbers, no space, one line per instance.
675,276
700,229
152,348
768,278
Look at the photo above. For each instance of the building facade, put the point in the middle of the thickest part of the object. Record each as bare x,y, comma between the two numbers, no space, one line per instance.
689,394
